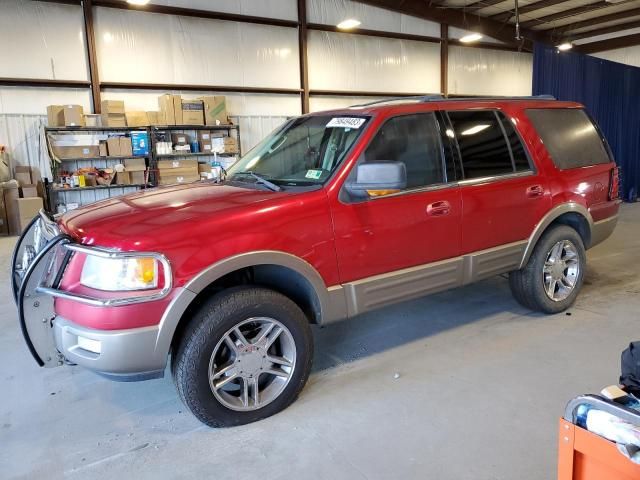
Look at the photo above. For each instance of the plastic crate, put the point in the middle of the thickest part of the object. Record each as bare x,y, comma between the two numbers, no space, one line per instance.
583,455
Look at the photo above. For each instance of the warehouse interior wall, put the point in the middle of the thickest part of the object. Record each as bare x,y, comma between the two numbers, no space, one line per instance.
627,55
137,47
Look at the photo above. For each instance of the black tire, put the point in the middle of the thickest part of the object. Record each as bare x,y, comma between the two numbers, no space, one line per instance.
527,285
190,361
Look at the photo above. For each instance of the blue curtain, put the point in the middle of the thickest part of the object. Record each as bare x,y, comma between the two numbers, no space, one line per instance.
611,93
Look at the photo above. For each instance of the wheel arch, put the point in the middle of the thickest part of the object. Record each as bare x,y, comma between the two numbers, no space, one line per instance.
280,271
571,214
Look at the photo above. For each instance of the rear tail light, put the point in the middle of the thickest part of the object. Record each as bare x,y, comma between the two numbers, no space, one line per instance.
614,183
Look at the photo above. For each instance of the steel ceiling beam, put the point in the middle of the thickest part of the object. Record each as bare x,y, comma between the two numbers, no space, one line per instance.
561,31
472,7
603,31
461,18
610,44
531,7
572,12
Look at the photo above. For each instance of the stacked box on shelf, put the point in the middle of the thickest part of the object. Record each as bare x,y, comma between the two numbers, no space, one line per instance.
113,113
177,171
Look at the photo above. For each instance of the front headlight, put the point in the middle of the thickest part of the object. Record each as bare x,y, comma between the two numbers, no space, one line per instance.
120,274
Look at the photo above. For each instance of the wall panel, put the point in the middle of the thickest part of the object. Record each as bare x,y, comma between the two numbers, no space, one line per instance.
628,55
478,71
332,12
142,47
41,40
340,61
280,9
34,100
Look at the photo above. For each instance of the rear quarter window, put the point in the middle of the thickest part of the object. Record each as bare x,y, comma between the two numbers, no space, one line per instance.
570,137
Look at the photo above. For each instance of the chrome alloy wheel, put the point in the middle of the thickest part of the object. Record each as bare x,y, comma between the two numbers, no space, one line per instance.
561,270
252,364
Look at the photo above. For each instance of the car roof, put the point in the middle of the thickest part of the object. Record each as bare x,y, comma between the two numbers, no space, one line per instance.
429,103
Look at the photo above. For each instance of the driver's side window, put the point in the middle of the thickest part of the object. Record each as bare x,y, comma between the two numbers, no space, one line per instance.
413,140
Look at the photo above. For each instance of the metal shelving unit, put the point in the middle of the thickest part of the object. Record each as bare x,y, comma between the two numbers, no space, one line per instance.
80,195
106,191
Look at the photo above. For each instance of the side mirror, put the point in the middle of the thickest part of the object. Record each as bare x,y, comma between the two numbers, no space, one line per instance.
378,178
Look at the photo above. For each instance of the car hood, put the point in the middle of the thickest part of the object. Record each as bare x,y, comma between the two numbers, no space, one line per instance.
147,218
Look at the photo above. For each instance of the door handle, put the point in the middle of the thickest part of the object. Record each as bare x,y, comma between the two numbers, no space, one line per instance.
439,209
535,191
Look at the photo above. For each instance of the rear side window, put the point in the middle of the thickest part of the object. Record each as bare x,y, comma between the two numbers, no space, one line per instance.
489,145
569,136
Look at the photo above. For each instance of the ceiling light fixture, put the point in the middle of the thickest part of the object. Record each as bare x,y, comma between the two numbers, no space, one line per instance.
348,24
138,2
563,47
472,37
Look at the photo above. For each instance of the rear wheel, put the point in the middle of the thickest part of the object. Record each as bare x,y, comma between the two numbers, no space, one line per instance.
245,356
554,274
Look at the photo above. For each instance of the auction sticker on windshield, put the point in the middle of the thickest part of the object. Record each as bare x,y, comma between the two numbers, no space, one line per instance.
315,174
346,122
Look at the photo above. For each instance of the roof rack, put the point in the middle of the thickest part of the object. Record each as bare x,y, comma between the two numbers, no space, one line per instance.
441,98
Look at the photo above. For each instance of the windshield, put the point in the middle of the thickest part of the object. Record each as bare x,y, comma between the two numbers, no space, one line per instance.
304,151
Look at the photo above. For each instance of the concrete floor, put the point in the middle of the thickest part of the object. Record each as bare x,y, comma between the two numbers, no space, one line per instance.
482,384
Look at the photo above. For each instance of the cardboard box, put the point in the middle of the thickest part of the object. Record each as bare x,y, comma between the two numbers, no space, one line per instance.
177,109
156,118
103,148
165,104
192,112
215,110
73,116
28,191
112,106
135,164
123,178
137,119
206,146
167,178
23,175
55,116
180,139
76,151
225,145
28,207
113,146
92,120
204,168
140,143
119,147
10,194
114,120
178,163
204,135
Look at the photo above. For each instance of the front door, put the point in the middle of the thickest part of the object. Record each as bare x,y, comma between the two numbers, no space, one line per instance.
391,247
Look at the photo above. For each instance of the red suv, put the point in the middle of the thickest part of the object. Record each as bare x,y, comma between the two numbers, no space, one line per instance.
334,214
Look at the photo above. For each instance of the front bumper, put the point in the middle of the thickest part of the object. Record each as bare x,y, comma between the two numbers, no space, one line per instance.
125,355
39,262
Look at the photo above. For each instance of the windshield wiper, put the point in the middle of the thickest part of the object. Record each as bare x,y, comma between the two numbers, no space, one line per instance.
261,180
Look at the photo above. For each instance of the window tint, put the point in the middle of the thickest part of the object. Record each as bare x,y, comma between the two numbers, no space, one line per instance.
482,144
413,140
520,158
569,136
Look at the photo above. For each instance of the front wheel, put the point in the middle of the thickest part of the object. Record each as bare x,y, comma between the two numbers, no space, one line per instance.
246,355
554,274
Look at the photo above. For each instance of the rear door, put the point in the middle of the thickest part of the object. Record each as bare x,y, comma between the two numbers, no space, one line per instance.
503,196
